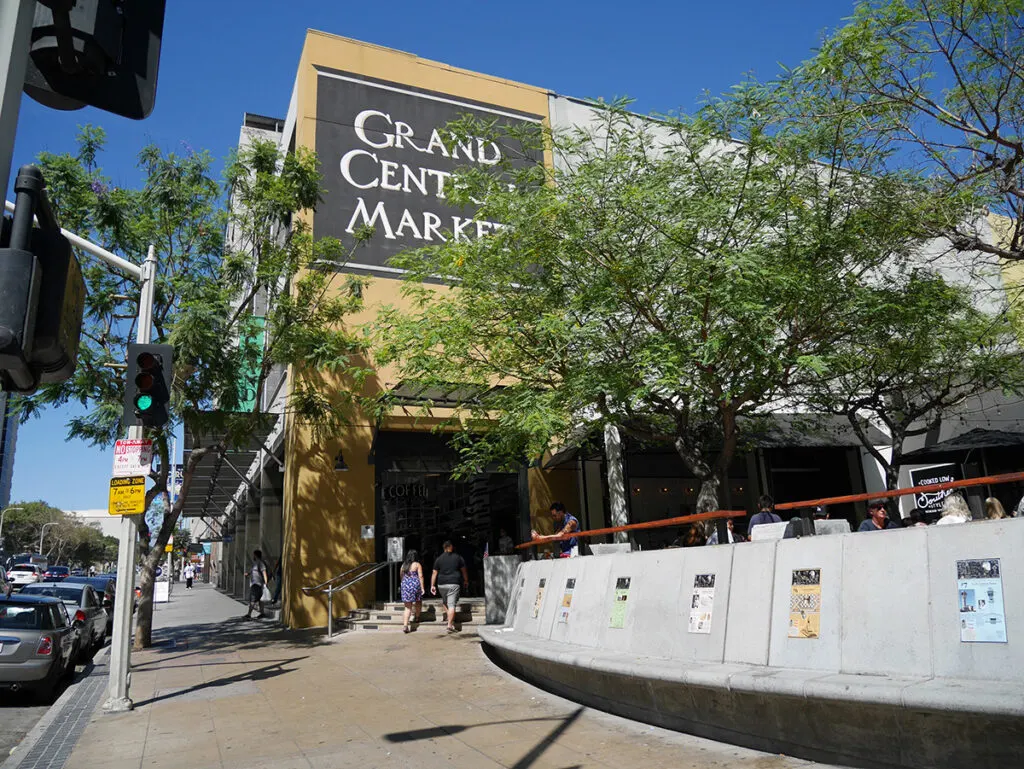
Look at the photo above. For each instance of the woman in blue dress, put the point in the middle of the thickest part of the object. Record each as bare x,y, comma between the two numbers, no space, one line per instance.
411,588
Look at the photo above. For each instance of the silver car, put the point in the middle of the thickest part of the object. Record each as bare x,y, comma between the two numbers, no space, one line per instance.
86,610
38,644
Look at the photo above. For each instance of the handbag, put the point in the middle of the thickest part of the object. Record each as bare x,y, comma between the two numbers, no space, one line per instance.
267,597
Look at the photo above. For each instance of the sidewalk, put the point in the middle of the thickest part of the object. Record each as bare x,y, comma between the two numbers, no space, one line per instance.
221,692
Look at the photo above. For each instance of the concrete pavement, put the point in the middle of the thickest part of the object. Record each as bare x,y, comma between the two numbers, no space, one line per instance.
219,692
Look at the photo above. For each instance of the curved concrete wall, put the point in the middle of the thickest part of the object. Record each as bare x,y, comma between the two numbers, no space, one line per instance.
889,639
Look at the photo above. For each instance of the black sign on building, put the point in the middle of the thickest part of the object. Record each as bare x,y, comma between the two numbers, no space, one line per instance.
387,159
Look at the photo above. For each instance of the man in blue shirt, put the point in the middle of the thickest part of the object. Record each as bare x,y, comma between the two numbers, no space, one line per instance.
764,514
878,518
564,524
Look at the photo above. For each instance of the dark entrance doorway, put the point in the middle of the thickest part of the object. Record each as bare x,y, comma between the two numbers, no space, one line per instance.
420,501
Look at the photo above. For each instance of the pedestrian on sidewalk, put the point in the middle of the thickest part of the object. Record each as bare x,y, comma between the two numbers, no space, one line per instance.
190,574
449,573
257,581
278,583
411,588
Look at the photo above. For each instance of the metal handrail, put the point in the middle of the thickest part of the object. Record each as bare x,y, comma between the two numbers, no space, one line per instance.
322,587
364,564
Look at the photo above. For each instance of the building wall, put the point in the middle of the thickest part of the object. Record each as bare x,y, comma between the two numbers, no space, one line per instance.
324,510
8,444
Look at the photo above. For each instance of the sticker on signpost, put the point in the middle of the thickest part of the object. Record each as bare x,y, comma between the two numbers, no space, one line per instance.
701,603
980,601
805,604
618,618
563,610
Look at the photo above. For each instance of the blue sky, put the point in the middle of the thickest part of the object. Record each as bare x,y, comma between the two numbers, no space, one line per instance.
222,58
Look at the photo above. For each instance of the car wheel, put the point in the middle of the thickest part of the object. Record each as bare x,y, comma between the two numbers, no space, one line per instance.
45,691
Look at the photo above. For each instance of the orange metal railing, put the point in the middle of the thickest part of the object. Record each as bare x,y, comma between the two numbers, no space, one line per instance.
988,480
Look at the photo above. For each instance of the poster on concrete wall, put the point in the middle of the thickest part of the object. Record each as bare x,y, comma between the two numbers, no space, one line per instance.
930,502
980,601
701,603
618,618
539,598
563,610
805,604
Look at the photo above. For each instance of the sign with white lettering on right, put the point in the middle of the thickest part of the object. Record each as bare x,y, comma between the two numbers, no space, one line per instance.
388,161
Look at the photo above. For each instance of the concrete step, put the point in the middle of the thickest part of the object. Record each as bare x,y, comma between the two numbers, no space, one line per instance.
473,605
372,615
395,625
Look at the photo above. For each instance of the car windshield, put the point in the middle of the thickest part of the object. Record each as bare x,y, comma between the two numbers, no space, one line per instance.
63,593
20,617
24,567
59,570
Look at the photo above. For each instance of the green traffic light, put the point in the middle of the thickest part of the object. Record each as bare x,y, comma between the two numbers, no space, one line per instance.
143,402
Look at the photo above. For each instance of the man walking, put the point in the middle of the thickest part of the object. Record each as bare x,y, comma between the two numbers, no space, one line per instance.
257,580
449,573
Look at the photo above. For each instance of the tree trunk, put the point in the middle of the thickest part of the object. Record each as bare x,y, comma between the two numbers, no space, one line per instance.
616,480
693,458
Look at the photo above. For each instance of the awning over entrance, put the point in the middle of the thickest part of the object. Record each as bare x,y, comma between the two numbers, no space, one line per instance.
978,438
216,480
767,431
448,395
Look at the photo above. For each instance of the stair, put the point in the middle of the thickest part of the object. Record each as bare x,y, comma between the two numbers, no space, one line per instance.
387,616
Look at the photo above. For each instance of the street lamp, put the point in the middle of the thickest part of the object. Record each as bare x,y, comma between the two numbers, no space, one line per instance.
43,531
2,514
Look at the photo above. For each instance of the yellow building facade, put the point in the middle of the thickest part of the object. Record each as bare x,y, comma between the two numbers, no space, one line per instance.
374,116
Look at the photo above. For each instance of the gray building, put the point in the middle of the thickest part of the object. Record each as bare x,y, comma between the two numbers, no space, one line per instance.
8,442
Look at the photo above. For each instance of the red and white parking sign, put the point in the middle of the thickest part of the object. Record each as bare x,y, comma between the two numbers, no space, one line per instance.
132,456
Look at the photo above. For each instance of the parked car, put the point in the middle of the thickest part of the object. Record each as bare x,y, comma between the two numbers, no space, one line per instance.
56,573
5,584
38,644
106,588
24,574
78,572
86,610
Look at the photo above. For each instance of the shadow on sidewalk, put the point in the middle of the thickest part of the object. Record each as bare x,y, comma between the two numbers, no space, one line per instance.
272,670
526,761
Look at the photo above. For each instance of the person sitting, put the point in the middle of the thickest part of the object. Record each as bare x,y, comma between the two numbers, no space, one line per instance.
954,510
878,518
765,513
733,536
994,509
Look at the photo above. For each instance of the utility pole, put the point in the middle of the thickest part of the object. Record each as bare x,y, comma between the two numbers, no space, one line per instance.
16,18
2,514
120,647
43,531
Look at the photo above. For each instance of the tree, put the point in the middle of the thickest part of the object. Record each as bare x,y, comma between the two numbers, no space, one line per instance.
943,83
233,308
923,348
23,526
673,278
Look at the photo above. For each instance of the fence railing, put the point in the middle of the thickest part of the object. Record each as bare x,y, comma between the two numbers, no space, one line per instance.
722,515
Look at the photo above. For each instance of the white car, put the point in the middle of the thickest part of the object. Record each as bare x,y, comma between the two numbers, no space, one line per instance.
24,574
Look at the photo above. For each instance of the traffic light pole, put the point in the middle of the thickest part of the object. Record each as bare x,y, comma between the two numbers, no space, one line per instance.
120,646
16,18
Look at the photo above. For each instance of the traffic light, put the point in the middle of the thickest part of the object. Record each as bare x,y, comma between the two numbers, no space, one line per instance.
147,388
104,53
42,293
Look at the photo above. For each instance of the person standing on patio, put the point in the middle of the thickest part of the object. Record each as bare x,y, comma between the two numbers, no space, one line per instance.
411,588
449,575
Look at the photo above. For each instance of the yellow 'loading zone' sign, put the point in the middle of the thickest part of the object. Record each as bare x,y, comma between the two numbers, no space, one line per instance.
127,496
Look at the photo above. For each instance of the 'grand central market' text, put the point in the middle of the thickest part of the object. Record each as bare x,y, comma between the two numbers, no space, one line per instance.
367,169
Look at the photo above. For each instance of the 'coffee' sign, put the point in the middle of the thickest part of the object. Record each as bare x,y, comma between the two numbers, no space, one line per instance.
388,163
